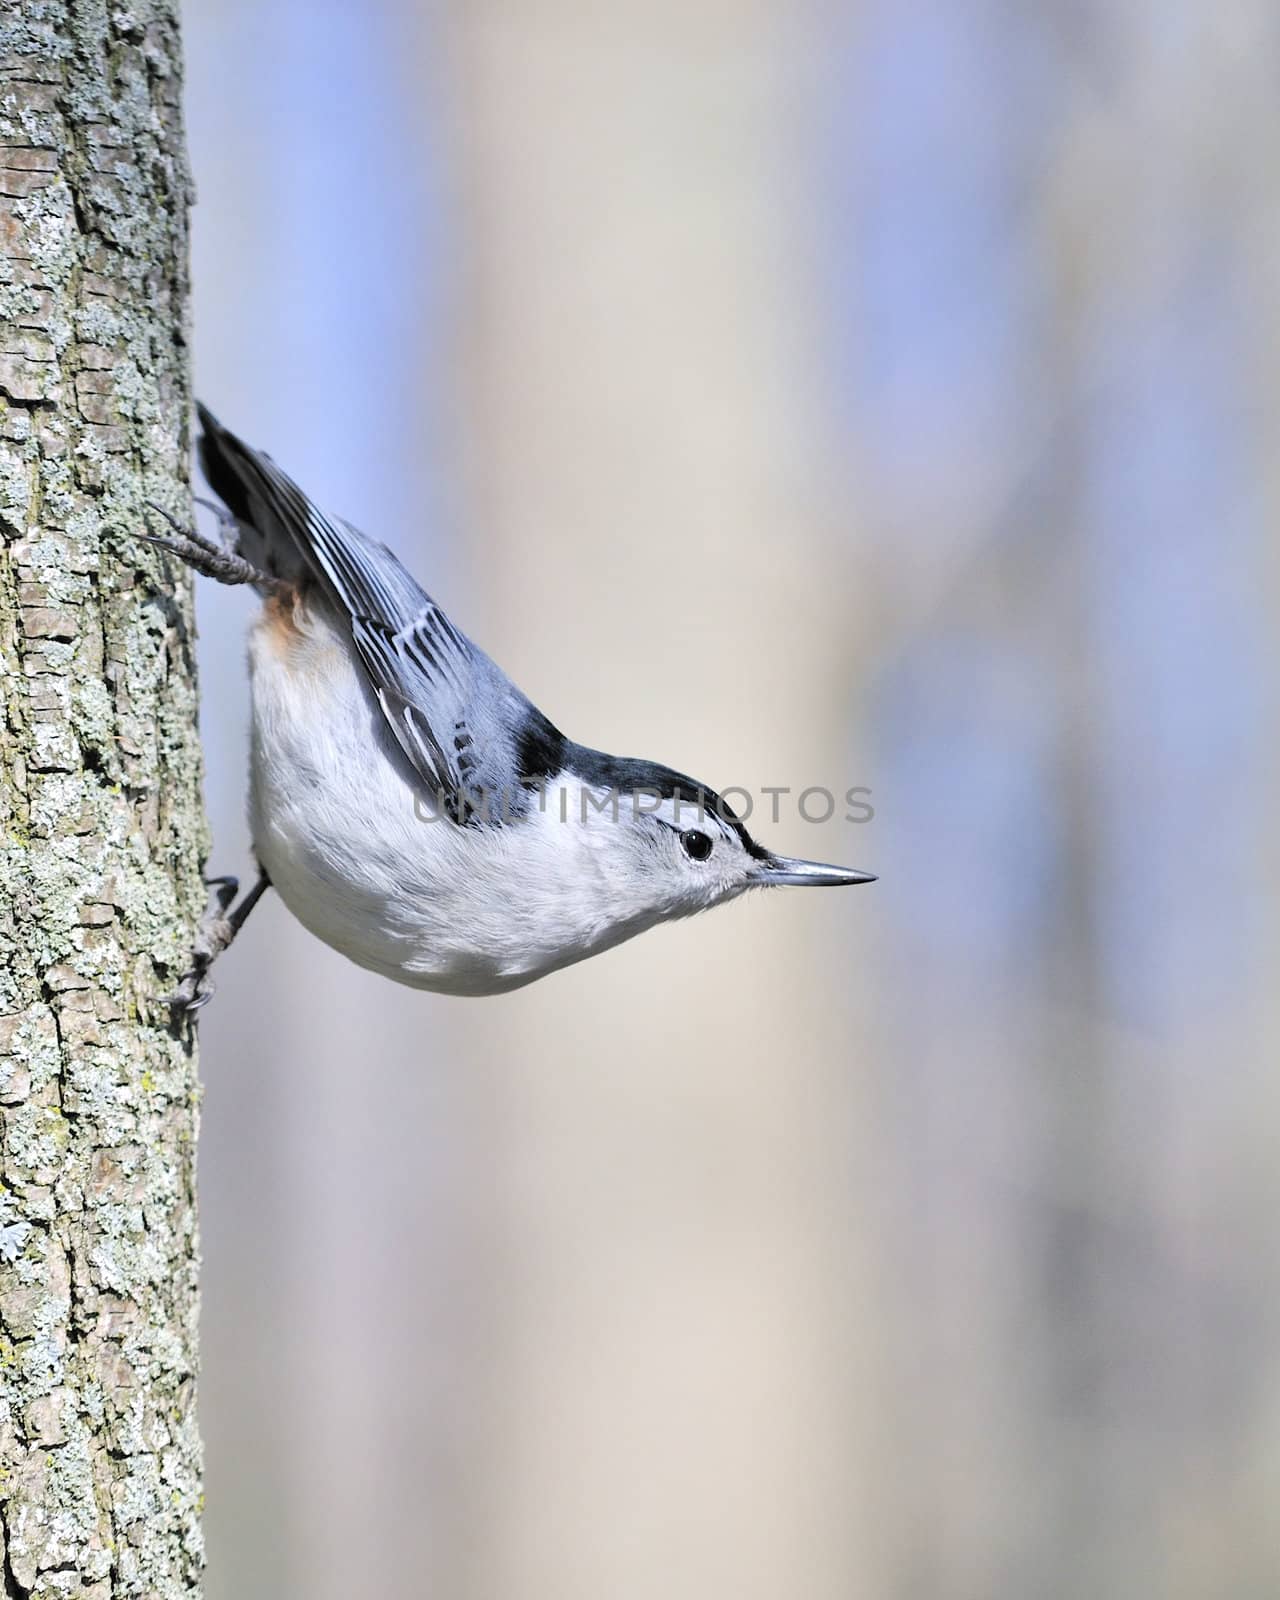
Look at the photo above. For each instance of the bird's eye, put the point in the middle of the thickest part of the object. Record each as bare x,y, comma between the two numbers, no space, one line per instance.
697,846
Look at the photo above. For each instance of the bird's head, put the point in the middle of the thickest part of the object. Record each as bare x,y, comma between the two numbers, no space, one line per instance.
655,845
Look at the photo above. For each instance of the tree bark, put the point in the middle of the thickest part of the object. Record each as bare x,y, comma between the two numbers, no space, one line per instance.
100,805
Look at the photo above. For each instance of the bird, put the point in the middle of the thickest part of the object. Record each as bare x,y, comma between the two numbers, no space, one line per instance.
410,805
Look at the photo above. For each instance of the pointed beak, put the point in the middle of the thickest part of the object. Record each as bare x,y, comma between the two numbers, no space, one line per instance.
781,870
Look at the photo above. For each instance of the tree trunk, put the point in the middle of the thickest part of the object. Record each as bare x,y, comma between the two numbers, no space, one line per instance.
100,804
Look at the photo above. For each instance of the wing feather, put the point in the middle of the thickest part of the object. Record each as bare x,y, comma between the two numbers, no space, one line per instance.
462,725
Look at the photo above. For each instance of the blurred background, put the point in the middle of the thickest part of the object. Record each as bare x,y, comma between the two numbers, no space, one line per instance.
802,394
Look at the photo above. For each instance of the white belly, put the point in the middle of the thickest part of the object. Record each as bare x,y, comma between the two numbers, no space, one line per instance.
351,848
361,861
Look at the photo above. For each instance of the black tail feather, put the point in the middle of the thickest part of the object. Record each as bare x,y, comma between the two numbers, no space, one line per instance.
215,449
239,477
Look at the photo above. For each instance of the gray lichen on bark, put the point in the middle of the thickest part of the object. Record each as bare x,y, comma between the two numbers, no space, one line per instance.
100,808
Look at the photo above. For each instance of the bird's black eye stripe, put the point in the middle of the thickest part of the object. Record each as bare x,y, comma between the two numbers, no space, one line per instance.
697,845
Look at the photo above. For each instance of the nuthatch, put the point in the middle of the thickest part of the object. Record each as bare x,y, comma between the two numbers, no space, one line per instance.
412,807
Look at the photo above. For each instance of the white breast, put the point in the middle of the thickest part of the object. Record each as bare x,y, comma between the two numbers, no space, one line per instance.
362,861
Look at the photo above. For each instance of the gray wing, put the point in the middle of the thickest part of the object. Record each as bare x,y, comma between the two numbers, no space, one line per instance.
457,717
478,744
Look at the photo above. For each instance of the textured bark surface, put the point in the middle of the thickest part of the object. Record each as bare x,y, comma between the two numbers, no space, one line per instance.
100,807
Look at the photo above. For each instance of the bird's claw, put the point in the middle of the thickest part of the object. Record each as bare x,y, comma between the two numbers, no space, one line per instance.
203,555
214,934
195,990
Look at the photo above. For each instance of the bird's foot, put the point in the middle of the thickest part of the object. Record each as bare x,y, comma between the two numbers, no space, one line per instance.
218,927
212,937
213,560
